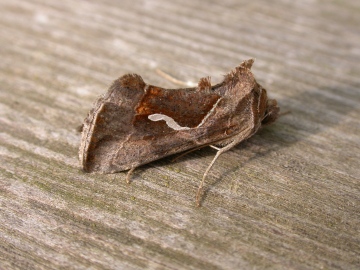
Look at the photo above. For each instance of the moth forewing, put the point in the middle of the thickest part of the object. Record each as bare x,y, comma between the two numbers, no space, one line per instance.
135,123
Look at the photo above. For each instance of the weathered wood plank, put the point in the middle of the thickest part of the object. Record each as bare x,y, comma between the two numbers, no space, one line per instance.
287,198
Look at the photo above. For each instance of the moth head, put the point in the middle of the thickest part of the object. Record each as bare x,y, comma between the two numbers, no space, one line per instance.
271,112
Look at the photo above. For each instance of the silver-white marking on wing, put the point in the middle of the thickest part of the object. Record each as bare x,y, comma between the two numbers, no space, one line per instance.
169,121
209,113
175,126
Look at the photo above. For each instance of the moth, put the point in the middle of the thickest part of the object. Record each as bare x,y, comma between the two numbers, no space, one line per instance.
135,123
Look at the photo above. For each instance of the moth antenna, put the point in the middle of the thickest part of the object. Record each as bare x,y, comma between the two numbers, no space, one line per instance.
204,84
172,79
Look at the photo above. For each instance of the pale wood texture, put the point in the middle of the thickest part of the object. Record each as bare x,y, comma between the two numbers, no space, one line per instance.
288,198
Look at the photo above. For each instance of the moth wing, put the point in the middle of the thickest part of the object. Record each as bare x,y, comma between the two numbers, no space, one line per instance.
135,123
119,132
109,123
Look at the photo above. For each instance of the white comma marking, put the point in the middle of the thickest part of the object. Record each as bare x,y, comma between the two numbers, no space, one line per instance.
175,126
169,121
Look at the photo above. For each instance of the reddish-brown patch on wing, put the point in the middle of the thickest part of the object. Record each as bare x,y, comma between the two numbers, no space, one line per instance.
187,107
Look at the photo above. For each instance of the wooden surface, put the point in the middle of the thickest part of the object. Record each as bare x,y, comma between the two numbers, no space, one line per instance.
288,198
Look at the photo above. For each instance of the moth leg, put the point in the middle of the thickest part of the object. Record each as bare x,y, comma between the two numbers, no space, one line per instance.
236,139
219,152
214,147
129,173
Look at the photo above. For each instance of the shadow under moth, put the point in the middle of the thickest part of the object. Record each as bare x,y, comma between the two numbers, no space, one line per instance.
135,123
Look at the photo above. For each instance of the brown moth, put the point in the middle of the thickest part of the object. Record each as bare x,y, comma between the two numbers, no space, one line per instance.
135,123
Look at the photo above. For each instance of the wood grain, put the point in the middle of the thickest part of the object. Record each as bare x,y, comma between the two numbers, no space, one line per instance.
288,198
